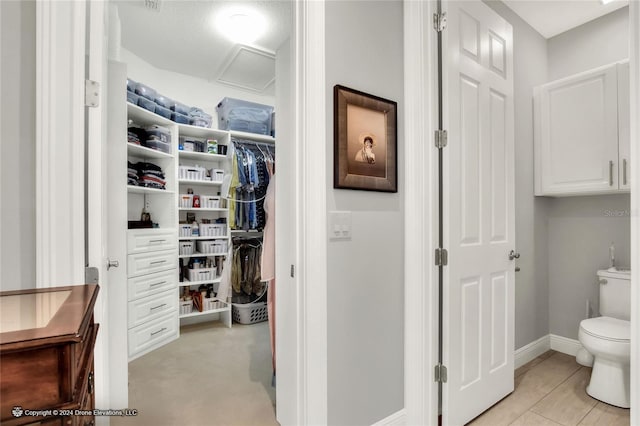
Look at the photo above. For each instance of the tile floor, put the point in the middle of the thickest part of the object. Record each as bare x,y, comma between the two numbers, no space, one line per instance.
551,391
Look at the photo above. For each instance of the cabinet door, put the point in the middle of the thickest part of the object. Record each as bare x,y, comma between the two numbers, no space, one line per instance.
576,136
624,116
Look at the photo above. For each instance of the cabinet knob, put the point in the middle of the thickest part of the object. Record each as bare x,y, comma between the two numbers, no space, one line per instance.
112,264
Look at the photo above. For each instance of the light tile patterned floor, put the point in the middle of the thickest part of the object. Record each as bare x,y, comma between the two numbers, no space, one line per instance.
551,391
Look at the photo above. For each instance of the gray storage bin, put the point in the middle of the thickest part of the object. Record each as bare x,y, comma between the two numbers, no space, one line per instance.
132,98
146,104
165,112
244,116
179,118
163,101
180,108
131,85
145,91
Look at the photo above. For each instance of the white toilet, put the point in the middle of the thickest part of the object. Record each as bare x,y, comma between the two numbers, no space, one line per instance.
607,339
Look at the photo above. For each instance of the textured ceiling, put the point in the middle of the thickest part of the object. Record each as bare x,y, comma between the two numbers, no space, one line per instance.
551,18
180,36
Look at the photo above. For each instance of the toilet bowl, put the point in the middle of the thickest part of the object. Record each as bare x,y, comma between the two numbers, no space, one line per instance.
607,339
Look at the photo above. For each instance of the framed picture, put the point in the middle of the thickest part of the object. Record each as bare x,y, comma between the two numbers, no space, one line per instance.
365,141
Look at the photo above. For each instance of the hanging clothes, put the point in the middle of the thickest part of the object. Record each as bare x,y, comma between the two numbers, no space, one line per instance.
245,273
268,262
250,175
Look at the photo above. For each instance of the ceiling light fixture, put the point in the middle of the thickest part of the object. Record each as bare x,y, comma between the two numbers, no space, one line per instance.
241,25
606,1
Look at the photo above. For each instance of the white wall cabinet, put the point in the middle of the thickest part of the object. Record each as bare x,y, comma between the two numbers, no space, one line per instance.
579,126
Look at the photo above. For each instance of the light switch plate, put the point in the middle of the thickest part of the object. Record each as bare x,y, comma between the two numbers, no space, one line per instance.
339,225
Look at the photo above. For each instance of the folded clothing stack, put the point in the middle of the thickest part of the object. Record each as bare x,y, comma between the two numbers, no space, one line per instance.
145,174
132,174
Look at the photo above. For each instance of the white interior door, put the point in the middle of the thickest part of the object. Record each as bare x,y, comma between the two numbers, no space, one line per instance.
478,317
116,209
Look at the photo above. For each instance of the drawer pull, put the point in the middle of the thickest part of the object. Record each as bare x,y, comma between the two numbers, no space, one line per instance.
157,241
90,383
159,331
158,307
157,262
624,171
155,284
610,173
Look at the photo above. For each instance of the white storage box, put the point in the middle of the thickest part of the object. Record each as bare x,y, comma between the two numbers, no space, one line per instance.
186,201
209,201
186,248
250,313
201,274
213,229
217,175
186,307
191,172
212,247
213,303
184,230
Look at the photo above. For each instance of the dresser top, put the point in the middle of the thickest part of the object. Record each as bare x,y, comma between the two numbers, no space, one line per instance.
43,316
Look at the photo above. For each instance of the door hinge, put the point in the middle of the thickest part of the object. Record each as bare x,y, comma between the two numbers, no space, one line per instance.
91,93
293,269
91,275
441,138
440,373
442,257
439,21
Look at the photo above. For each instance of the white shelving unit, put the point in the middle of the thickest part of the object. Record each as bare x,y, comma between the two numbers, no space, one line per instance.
152,275
204,188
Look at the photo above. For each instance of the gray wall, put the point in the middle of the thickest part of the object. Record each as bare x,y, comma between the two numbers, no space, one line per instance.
600,42
17,148
580,232
581,228
532,290
364,42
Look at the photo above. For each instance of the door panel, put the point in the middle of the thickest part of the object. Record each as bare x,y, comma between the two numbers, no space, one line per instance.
478,211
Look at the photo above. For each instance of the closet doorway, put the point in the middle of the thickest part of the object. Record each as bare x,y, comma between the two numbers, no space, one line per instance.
195,63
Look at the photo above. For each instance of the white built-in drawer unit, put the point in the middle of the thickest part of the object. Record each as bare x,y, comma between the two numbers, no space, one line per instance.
147,285
150,335
148,240
148,263
150,308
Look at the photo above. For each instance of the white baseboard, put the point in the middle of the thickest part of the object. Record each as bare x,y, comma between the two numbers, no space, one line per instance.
396,419
531,351
564,344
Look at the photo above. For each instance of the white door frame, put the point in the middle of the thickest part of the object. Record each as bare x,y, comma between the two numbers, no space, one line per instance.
634,74
54,32
421,217
60,74
420,279
309,148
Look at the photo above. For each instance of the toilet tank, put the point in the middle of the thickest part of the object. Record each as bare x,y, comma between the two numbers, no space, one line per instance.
615,294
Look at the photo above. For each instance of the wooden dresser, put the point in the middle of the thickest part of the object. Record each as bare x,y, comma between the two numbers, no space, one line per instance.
46,356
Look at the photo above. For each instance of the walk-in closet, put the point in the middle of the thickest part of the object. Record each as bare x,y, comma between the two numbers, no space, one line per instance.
192,114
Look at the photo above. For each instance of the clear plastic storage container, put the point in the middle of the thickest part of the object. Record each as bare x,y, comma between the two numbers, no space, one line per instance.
244,116
180,108
162,111
146,104
179,118
145,91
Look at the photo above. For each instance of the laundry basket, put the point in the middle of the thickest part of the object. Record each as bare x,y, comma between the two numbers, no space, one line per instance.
250,313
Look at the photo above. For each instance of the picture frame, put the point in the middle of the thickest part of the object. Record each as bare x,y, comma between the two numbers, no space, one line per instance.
365,141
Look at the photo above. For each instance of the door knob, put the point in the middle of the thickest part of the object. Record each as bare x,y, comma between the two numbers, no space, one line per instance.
514,255
112,264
